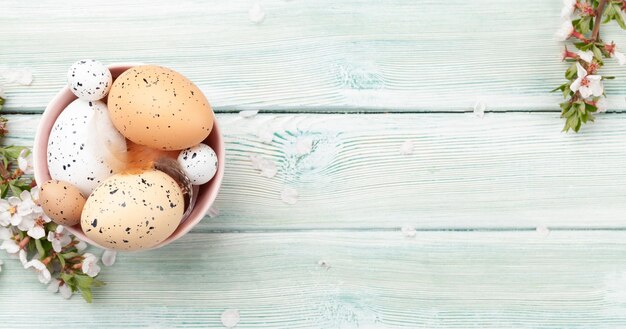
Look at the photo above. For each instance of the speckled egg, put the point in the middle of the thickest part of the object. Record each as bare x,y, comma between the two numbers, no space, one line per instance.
89,79
158,107
75,154
62,202
199,163
133,211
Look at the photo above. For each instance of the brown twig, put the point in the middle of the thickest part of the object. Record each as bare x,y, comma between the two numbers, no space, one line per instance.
597,21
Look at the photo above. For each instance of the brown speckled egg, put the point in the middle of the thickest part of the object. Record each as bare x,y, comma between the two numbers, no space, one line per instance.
133,211
62,202
158,107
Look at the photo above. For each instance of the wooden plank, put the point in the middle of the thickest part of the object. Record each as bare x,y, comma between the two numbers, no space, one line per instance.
375,280
352,55
503,171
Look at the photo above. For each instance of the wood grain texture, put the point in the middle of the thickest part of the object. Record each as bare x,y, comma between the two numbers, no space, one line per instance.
502,171
375,280
318,55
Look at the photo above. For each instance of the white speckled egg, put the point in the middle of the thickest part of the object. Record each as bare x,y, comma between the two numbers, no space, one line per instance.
133,211
89,79
71,155
199,163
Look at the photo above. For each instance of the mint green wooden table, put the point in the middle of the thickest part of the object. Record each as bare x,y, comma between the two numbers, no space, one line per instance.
358,78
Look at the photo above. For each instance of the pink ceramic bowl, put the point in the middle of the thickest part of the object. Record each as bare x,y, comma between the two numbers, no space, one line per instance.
206,193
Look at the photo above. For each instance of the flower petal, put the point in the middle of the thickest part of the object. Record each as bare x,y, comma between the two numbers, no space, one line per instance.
108,257
576,84
66,291
580,71
36,232
53,287
585,92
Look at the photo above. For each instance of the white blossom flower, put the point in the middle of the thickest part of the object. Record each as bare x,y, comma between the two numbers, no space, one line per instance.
22,77
43,274
586,55
25,162
10,246
22,257
602,104
108,257
568,9
587,84
90,265
59,238
61,287
27,206
565,31
8,211
36,230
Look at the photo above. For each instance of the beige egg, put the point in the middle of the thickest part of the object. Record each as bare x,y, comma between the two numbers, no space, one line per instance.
158,107
62,202
133,211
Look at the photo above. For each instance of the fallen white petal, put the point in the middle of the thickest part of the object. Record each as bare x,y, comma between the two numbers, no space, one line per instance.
248,113
20,76
230,318
213,212
479,109
256,14
409,231
267,167
108,257
542,230
304,145
289,195
406,148
265,135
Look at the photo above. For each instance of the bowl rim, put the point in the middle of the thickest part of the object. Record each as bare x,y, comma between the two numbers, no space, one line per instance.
41,173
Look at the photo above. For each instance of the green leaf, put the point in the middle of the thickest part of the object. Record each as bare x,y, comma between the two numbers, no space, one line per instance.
40,250
98,283
4,190
83,281
14,189
571,72
86,293
591,108
69,255
608,77
597,53
61,260
570,112
67,278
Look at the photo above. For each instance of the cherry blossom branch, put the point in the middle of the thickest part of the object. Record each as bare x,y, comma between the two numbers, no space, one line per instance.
584,88
596,26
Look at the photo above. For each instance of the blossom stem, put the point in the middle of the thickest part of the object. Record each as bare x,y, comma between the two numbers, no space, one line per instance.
24,242
47,260
597,21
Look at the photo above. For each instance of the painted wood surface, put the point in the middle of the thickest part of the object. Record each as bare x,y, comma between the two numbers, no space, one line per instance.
372,280
475,189
323,55
502,171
